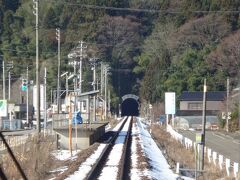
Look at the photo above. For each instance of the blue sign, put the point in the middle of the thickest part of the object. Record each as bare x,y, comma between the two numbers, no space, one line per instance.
162,118
77,118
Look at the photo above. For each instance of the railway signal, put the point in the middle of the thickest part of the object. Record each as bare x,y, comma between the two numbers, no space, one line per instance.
24,84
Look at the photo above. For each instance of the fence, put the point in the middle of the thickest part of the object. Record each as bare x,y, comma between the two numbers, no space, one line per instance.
14,141
11,125
213,156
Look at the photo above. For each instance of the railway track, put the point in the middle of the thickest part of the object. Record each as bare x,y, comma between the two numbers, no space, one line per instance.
113,160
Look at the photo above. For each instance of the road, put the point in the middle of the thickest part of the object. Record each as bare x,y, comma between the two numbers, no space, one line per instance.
228,146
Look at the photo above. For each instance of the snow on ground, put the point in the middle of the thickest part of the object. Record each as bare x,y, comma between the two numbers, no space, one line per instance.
116,128
59,170
110,171
86,166
136,173
160,168
64,154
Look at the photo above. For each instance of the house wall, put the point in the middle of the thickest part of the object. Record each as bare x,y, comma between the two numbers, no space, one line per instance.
210,105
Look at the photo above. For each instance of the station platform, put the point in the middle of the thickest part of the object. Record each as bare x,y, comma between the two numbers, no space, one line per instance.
83,135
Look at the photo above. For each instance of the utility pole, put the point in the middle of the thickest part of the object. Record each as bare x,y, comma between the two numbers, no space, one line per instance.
109,101
227,123
27,98
75,102
203,124
4,95
9,85
101,78
80,65
9,66
45,98
70,124
51,96
80,68
35,12
105,91
93,61
58,37
94,88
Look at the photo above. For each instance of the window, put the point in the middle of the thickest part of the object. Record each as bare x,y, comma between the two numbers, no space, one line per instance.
195,106
84,104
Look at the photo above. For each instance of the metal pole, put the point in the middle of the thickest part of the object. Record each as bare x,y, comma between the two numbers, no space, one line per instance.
27,99
70,124
101,78
109,101
203,123
3,64
80,66
227,123
195,151
59,64
51,96
37,70
9,85
105,91
66,85
45,98
94,88
239,109
74,107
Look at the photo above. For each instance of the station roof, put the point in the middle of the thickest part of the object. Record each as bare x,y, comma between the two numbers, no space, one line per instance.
89,93
198,96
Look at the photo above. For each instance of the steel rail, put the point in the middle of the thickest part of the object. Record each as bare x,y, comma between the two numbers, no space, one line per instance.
97,167
122,174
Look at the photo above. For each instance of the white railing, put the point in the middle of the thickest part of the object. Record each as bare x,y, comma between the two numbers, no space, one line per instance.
213,156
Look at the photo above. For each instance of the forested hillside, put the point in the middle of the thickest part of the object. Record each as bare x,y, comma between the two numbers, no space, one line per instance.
152,46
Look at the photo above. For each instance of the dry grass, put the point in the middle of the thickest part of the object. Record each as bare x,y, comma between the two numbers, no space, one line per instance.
175,152
34,157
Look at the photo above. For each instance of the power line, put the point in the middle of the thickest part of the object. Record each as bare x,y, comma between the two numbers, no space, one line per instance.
88,6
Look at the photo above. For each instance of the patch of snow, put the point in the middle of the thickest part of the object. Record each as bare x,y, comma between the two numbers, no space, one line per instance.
63,155
160,168
119,118
111,168
136,173
107,127
86,166
61,169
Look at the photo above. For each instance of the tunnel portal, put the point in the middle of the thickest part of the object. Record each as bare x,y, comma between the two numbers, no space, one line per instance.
130,105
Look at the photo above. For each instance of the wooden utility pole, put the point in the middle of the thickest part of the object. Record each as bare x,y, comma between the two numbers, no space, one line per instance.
203,124
227,123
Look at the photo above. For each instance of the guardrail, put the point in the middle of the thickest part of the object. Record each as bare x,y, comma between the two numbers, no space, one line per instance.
217,159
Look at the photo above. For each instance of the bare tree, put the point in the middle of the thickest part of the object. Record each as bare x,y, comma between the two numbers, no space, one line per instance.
120,36
200,32
226,57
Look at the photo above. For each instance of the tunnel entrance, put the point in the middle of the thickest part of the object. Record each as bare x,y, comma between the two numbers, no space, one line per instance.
130,105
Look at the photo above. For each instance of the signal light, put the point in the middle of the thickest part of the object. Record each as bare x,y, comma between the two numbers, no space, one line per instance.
24,84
